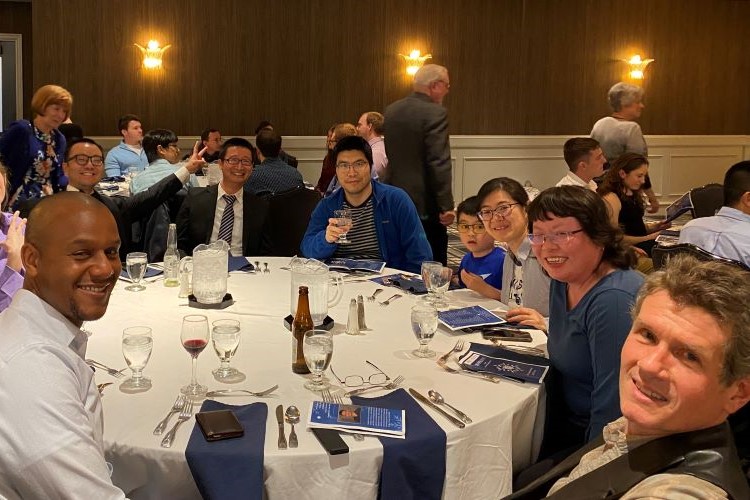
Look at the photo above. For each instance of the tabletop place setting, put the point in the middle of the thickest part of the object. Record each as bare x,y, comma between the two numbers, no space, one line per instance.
357,372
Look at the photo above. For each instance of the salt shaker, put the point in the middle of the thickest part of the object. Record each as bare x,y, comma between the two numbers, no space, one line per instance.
352,325
361,313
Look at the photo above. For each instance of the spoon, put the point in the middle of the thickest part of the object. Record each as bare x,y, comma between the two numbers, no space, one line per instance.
292,416
437,398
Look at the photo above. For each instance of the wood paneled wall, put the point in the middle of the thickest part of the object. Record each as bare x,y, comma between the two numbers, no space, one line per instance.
518,67
15,17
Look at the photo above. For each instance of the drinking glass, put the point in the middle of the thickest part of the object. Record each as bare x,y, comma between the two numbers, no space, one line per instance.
424,322
136,263
225,335
441,280
344,217
136,349
429,270
194,337
318,350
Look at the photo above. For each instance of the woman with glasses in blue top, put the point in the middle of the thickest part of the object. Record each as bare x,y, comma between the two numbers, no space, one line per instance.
592,291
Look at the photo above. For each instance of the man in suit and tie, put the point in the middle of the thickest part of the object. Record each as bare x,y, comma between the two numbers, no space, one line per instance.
225,211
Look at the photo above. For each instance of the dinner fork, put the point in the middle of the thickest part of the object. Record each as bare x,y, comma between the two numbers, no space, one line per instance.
185,415
227,392
371,298
109,370
176,408
456,348
337,399
390,299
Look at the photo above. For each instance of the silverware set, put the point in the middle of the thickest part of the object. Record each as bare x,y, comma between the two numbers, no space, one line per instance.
179,403
437,408
109,370
185,414
496,379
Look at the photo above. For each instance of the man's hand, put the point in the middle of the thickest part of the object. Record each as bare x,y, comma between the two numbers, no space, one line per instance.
195,162
13,243
333,231
447,218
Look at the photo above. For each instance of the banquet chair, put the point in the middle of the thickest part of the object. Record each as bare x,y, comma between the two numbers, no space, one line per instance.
707,200
289,213
154,228
661,254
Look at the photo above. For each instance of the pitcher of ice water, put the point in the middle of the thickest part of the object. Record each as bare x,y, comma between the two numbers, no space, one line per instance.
320,283
210,264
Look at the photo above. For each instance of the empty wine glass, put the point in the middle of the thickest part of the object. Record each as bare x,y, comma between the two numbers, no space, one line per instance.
344,217
225,335
429,270
424,322
194,337
136,263
318,350
441,280
136,349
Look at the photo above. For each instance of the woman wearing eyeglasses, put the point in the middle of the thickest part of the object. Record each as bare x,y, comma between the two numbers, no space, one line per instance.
525,289
11,240
33,150
592,291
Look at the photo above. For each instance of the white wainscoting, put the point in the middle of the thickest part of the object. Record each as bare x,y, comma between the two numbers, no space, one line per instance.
678,163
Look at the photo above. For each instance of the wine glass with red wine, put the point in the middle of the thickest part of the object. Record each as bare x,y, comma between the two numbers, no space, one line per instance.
194,337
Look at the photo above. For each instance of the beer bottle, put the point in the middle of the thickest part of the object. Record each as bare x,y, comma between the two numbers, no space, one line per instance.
302,323
171,259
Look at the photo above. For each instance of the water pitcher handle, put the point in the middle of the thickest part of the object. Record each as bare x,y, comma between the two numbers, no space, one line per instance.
338,286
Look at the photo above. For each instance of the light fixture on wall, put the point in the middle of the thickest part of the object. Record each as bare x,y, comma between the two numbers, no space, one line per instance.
152,54
414,61
637,66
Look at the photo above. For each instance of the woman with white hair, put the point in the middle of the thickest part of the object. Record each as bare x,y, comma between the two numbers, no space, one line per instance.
619,133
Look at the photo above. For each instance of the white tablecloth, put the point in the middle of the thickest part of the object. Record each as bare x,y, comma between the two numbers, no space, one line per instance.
480,458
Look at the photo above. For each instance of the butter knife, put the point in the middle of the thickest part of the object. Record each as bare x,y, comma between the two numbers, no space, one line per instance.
435,407
280,420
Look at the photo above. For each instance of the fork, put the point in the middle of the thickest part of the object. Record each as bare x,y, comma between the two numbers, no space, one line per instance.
227,392
393,384
389,299
485,376
109,370
371,298
337,399
176,407
185,415
456,348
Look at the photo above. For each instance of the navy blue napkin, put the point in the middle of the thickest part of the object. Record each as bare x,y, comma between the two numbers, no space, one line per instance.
411,284
413,468
239,264
232,468
115,178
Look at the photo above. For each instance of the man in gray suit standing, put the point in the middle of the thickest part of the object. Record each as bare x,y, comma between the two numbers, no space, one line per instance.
419,155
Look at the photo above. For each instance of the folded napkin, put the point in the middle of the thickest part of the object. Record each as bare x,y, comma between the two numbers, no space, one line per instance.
116,178
499,352
232,468
150,273
239,264
413,467
411,284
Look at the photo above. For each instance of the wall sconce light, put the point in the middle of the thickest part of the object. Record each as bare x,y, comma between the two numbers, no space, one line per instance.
637,66
152,54
414,61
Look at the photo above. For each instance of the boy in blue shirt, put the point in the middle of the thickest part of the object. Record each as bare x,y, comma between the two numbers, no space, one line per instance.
481,268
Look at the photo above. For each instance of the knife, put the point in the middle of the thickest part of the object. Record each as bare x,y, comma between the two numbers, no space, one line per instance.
280,420
435,407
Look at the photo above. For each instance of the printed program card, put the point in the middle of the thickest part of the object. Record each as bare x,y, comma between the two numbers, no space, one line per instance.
358,419
465,317
349,265
504,367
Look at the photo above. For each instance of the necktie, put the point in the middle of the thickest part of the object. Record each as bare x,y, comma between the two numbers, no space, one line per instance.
227,219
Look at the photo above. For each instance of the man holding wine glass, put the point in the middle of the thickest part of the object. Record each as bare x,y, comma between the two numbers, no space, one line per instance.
51,432
384,222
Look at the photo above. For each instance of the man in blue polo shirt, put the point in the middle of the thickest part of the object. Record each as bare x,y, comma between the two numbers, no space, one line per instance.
129,153
385,222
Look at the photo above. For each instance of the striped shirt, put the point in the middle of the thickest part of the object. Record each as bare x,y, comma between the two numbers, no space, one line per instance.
363,236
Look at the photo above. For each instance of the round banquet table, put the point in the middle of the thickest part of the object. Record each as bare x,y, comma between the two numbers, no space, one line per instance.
480,459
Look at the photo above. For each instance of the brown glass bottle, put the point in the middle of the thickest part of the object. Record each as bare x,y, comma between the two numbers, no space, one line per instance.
302,323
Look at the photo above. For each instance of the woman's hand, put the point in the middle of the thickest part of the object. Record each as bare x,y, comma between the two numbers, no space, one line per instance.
13,243
527,316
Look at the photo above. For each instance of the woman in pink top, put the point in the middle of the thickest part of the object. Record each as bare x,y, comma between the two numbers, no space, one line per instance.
11,240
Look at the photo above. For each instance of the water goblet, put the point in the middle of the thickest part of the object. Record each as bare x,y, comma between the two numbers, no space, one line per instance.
137,343
344,220
225,336
318,350
194,337
135,264
424,322
441,280
429,270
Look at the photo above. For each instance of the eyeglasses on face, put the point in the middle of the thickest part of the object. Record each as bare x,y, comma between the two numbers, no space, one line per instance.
556,238
357,165
82,160
234,161
500,211
464,228
357,380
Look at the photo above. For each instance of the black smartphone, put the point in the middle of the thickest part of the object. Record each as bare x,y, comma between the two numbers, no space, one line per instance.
505,333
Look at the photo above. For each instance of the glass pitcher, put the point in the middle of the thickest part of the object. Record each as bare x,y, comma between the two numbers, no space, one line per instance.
318,280
210,264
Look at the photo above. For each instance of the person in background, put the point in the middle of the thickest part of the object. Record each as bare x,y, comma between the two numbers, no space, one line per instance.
585,161
128,156
726,234
11,240
211,140
33,151
273,175
592,291
370,128
163,155
502,210
481,268
619,133
283,155
328,169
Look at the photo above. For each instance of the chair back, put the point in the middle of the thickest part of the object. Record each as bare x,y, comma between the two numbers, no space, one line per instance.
289,213
155,227
661,254
707,200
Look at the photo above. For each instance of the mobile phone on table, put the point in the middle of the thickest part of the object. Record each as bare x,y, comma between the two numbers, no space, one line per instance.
506,333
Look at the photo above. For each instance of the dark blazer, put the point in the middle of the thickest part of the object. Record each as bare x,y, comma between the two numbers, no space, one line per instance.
195,221
419,154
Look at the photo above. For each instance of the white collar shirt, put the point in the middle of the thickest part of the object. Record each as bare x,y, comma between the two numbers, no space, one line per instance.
573,180
236,246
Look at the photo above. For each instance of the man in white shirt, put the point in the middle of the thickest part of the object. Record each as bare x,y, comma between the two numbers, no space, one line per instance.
370,128
585,160
128,155
50,408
